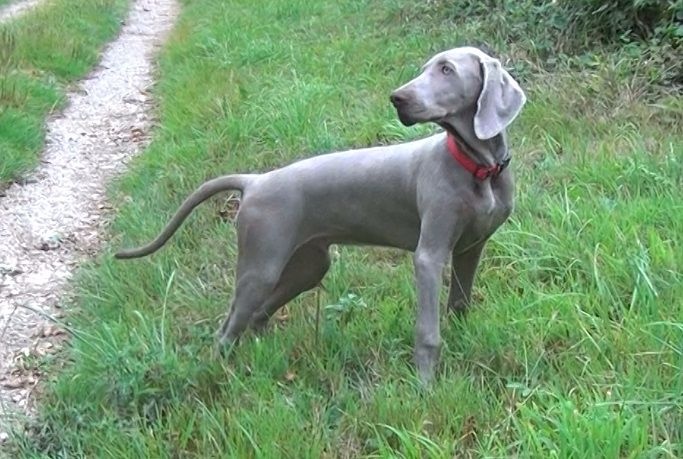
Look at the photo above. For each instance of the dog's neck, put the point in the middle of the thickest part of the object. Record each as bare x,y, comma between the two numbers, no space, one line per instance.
484,152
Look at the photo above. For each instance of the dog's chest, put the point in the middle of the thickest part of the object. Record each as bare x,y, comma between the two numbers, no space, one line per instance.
488,211
487,220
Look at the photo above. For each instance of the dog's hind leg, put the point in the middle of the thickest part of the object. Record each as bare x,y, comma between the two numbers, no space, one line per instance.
264,251
304,271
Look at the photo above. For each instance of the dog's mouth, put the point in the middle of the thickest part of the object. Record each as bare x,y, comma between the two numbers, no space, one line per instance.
405,118
409,116
411,112
407,112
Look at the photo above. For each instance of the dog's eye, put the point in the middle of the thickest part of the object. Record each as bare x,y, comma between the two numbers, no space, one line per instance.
446,69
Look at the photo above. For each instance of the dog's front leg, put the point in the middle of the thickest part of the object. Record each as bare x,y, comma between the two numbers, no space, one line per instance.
429,260
463,270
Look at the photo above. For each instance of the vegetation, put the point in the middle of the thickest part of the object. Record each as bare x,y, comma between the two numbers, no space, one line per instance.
571,35
574,348
582,24
40,54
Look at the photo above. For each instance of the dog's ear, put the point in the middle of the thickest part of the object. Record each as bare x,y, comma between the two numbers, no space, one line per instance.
500,101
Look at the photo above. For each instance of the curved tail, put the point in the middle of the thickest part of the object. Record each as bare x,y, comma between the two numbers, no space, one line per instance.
201,194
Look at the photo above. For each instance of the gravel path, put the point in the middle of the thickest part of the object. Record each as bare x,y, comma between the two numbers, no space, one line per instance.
52,221
15,9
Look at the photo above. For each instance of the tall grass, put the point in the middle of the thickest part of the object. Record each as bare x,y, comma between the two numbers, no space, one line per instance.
574,348
41,53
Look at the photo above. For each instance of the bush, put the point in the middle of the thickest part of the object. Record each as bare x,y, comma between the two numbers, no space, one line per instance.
571,26
621,20
550,31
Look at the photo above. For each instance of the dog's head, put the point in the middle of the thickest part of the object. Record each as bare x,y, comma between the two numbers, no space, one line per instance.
461,82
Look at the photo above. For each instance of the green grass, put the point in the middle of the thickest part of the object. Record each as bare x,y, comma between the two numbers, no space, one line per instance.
574,348
40,54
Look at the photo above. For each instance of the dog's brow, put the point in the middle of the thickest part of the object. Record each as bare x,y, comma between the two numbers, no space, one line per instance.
452,63
431,61
441,61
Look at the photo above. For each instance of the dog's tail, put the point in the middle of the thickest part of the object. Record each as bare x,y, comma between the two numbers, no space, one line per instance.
201,194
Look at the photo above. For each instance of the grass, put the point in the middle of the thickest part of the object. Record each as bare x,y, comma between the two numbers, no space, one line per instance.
574,348
41,53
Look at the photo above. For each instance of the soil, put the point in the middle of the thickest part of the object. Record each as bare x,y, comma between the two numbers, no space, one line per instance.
18,8
53,220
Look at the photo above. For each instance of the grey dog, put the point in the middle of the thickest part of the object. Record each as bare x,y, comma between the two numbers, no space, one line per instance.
439,197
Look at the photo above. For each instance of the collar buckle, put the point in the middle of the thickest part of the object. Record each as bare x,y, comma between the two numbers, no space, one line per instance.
477,170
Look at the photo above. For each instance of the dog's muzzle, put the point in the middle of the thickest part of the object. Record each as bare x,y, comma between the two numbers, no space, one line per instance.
402,103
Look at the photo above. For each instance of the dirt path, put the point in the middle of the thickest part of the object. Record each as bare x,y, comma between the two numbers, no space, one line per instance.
52,222
17,8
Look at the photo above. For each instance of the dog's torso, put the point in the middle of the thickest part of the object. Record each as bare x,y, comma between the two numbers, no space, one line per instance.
381,199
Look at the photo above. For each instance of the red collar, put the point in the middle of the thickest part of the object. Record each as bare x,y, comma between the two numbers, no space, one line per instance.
477,170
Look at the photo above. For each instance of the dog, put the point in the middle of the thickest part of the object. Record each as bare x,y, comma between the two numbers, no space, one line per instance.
439,197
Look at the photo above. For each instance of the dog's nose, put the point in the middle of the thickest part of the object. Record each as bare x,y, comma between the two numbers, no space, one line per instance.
397,99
